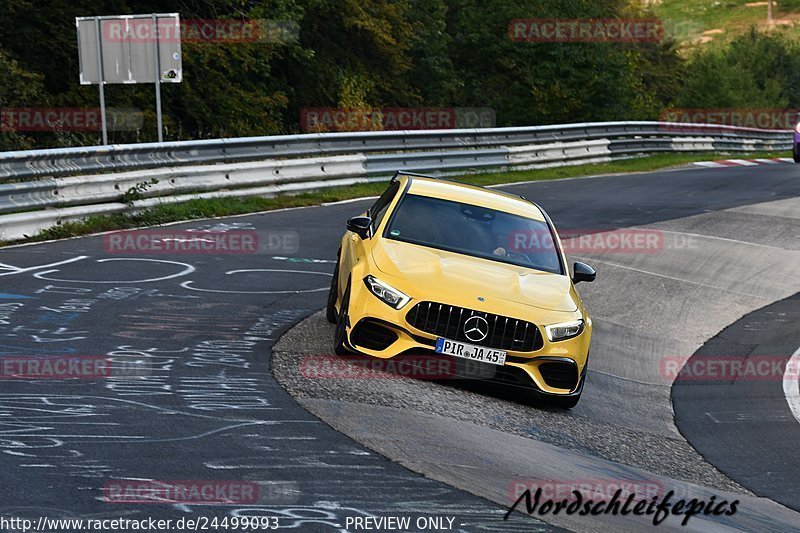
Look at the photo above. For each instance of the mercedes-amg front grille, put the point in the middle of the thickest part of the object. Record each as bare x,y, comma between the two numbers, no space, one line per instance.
457,323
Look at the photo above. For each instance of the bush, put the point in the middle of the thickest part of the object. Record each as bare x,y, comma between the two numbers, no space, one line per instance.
756,71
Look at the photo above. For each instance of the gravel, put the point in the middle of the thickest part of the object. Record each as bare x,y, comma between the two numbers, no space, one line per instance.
494,407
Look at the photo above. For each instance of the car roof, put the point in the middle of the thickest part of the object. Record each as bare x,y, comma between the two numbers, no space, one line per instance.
472,194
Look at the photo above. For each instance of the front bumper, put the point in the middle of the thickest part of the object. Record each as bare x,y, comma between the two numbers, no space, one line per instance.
557,368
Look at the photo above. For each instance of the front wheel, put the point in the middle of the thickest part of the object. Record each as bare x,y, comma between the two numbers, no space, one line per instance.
340,337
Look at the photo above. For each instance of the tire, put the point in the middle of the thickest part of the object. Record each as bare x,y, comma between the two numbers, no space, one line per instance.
330,310
340,336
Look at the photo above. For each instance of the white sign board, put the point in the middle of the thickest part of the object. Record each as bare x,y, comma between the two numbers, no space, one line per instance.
129,46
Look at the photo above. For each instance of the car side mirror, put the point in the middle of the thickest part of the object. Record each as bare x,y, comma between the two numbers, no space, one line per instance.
361,226
583,272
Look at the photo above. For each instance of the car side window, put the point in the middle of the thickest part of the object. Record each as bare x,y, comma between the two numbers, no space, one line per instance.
378,210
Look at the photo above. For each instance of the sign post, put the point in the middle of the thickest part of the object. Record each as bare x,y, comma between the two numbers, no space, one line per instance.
157,76
130,49
99,43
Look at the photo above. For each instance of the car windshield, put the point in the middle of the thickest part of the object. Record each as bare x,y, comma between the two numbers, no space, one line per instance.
476,231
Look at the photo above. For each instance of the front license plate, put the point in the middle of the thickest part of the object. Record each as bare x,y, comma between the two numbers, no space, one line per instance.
470,351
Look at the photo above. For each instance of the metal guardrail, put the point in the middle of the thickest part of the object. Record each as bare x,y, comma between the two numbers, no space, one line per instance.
43,188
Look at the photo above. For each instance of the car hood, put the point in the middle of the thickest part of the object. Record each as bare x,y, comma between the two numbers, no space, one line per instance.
439,271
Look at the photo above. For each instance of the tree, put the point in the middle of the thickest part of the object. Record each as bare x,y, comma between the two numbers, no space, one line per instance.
18,88
351,53
530,83
757,71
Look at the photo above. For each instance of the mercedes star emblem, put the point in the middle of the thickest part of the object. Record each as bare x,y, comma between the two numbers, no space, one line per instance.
476,328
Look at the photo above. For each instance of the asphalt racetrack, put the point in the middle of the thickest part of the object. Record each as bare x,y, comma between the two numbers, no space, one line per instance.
197,341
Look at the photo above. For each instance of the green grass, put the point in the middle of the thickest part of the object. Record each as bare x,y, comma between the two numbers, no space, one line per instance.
218,207
690,18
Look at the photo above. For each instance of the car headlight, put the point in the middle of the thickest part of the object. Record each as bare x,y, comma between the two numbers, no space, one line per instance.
564,331
386,292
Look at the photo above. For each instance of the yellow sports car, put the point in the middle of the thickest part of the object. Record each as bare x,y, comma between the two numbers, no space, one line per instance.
475,275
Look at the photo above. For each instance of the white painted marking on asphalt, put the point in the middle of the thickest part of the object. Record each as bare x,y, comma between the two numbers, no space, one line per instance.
186,271
277,270
595,176
727,163
302,259
683,280
29,269
349,201
736,417
721,238
791,384
630,380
